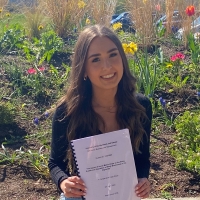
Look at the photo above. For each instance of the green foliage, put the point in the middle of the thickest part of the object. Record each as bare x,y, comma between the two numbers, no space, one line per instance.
7,157
37,159
40,50
7,113
12,38
8,22
177,83
186,148
194,48
145,69
166,195
160,30
42,86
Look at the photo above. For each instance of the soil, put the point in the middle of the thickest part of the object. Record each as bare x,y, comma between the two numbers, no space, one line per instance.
23,183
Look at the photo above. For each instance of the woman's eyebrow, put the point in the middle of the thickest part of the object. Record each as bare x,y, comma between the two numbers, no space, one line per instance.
98,54
113,49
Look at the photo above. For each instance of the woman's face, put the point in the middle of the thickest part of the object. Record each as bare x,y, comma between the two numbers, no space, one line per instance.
104,65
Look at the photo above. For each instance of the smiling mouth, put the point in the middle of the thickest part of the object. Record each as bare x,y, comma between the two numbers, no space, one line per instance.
108,76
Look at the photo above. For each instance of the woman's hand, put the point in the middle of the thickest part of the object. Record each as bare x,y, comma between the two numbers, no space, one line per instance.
142,189
73,187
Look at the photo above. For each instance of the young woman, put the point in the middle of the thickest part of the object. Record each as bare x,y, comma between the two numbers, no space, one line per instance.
101,97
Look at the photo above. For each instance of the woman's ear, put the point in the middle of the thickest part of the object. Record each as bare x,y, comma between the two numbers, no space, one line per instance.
85,77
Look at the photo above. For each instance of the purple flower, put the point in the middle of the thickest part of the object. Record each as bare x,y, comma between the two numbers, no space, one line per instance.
162,102
46,114
198,94
36,121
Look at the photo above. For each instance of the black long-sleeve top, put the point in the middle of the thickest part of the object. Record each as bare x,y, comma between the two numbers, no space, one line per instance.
59,145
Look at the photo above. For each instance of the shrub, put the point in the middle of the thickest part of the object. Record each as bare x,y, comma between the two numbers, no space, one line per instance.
186,148
7,113
12,38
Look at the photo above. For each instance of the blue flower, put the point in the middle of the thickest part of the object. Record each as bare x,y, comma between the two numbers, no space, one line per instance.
36,121
162,102
198,94
46,114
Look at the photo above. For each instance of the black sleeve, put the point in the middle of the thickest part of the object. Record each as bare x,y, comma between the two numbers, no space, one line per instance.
142,161
57,163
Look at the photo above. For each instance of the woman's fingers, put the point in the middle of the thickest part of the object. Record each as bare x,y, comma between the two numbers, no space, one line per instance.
76,179
73,192
142,181
73,187
77,183
144,193
143,188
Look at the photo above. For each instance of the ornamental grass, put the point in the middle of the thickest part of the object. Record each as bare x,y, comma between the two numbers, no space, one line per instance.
141,12
65,15
170,7
102,11
34,20
3,3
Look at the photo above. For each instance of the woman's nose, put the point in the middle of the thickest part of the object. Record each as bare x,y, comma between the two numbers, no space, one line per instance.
106,64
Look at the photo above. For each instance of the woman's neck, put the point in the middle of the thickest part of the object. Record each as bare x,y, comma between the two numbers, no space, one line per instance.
104,98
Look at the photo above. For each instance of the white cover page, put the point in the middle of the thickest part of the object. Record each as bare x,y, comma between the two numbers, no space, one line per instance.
106,165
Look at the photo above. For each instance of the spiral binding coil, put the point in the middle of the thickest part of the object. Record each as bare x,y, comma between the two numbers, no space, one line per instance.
76,164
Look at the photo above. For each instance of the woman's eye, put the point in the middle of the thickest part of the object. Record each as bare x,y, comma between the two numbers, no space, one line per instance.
95,60
113,54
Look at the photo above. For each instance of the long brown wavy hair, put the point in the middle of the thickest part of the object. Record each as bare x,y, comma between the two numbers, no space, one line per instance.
78,98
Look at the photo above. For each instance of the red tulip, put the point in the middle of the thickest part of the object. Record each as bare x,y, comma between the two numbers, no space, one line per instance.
42,68
173,58
177,56
180,56
32,71
190,10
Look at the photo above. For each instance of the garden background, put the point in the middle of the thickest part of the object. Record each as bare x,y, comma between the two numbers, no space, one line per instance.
36,45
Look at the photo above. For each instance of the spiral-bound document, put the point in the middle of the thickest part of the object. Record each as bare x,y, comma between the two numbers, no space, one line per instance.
106,164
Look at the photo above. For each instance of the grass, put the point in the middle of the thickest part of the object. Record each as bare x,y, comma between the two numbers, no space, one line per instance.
15,18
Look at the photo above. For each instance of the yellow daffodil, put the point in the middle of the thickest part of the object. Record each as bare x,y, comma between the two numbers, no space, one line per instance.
133,46
81,4
117,26
169,65
87,21
7,14
40,27
130,48
125,47
1,10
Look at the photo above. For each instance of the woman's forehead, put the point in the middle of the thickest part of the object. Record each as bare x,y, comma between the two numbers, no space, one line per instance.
100,44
